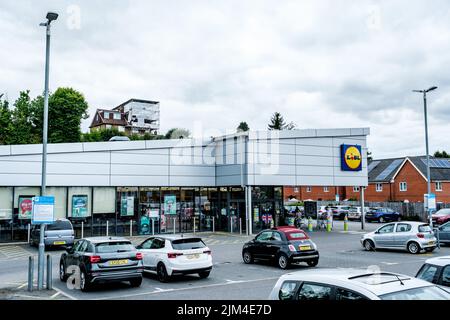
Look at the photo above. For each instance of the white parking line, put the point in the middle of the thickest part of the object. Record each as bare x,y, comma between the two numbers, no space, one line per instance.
231,282
65,294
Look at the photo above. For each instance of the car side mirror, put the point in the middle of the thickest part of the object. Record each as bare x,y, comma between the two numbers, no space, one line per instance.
69,249
377,232
139,247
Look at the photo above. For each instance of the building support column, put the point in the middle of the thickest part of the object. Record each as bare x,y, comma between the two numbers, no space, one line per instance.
248,210
363,213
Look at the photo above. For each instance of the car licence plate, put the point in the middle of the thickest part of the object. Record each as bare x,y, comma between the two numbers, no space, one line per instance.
193,256
118,262
58,242
305,248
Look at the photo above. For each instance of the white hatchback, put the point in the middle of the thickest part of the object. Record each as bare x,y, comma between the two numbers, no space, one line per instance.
167,256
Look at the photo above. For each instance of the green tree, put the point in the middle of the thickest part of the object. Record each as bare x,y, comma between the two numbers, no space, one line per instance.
5,122
442,154
177,133
277,123
243,127
67,107
23,128
101,135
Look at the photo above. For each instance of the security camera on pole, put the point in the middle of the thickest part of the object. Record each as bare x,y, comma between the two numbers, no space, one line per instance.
50,17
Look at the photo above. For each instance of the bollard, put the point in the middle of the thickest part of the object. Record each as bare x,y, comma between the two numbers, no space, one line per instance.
82,229
240,226
310,224
49,272
328,224
231,224
345,223
174,221
214,225
107,227
153,227
131,228
194,225
30,273
29,232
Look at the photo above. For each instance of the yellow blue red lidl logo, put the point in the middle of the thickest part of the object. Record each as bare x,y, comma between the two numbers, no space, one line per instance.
351,158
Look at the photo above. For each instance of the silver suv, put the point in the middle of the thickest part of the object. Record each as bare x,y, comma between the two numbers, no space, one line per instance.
411,236
59,233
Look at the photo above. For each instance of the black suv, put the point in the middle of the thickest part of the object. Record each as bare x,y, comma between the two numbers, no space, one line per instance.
102,259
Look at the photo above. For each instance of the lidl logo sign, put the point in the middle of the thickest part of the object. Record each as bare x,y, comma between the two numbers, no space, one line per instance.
351,158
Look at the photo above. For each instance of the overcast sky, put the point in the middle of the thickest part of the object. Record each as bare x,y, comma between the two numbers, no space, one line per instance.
212,63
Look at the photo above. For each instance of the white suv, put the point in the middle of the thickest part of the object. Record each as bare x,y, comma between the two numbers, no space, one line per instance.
177,255
353,284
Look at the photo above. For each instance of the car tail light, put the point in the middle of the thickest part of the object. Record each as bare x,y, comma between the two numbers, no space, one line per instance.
420,235
173,255
139,256
207,252
292,248
95,259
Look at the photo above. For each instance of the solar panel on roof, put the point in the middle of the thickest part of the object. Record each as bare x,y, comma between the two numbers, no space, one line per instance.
373,164
437,163
386,172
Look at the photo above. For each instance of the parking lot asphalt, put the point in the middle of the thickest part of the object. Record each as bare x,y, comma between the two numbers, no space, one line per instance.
231,278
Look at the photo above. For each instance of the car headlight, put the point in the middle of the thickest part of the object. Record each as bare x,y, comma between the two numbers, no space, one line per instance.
314,246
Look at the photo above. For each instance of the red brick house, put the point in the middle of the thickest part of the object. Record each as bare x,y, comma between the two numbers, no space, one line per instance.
397,179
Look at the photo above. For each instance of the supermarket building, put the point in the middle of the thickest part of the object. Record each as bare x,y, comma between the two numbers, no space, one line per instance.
225,183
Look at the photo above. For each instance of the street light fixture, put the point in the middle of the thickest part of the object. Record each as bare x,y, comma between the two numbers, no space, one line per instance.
51,16
424,92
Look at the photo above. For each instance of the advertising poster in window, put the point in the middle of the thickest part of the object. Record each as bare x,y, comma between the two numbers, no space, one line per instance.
127,206
25,207
170,205
79,206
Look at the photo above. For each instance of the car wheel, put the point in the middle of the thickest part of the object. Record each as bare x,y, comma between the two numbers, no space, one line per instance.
382,220
312,263
136,282
84,282
413,247
247,257
283,262
62,272
162,273
204,274
368,245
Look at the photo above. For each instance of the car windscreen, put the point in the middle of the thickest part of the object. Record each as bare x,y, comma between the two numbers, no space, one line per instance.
443,212
114,246
423,293
59,225
188,244
296,235
424,228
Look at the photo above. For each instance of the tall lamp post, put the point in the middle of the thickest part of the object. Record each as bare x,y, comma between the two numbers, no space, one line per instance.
51,16
424,92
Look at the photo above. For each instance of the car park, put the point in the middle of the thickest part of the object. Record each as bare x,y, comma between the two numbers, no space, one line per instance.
437,271
443,233
339,212
59,233
168,256
440,217
382,215
284,245
100,260
353,284
411,236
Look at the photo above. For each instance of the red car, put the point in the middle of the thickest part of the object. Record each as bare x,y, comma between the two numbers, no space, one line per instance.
441,217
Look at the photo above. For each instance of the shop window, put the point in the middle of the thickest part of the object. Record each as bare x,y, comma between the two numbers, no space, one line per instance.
104,200
60,194
22,202
127,200
6,199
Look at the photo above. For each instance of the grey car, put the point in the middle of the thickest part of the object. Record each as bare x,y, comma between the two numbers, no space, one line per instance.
411,236
443,232
60,233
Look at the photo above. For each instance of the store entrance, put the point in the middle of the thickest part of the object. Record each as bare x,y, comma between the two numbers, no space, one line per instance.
236,218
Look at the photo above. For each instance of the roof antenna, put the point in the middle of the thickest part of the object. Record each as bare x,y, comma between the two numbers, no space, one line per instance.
400,280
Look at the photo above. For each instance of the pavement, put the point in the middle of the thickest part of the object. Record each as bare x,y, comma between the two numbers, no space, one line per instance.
230,278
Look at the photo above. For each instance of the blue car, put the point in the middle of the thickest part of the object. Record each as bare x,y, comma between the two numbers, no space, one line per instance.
382,215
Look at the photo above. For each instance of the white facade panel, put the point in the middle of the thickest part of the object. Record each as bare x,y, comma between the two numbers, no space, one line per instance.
5,150
145,170
82,157
315,181
270,180
201,171
180,181
315,161
314,151
13,179
77,168
136,181
315,171
61,180
127,158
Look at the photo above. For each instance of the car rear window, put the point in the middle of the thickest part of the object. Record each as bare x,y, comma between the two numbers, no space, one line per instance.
424,293
188,244
114,246
424,228
59,225
296,235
